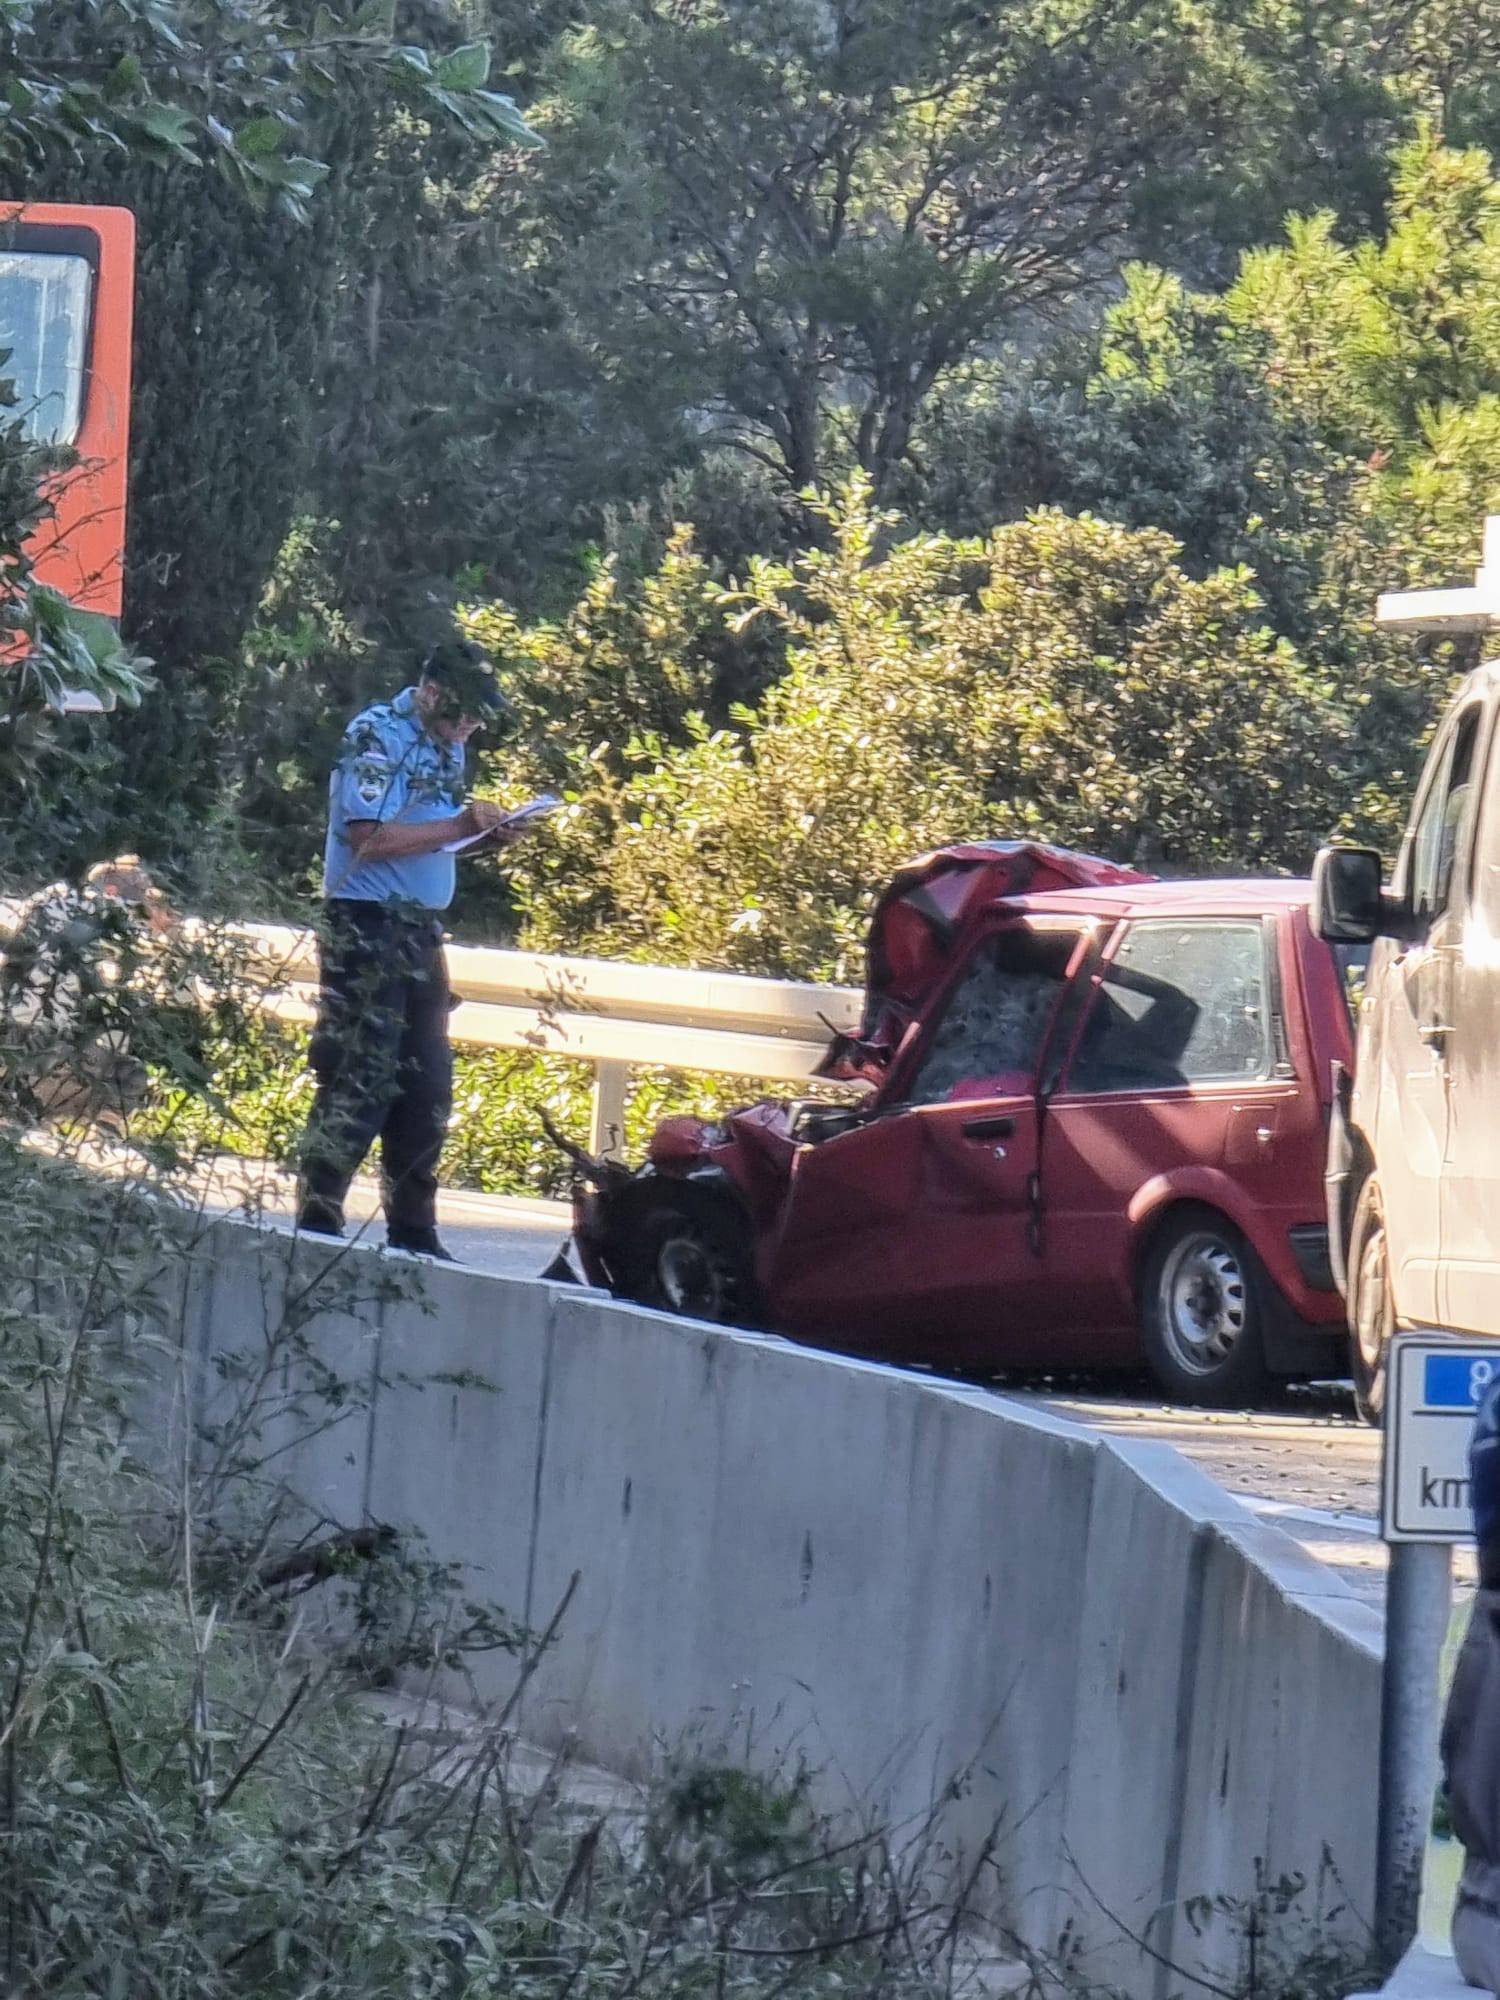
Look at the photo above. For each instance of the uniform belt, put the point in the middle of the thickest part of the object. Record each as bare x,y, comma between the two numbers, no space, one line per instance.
363,910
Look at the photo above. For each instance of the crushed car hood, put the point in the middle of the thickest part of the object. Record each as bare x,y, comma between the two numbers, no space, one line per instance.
927,908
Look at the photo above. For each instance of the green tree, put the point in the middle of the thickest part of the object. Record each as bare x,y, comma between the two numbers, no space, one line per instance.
125,101
1323,90
1060,678
1331,423
1391,346
798,220
1158,418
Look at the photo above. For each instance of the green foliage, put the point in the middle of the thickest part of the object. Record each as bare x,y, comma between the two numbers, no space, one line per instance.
1324,94
51,649
720,1824
304,668
1392,347
1060,678
257,1091
801,220
238,274
761,250
226,83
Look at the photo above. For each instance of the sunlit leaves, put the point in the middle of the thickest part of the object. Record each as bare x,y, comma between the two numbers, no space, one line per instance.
1062,678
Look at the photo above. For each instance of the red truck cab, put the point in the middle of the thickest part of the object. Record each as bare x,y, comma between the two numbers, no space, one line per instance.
67,277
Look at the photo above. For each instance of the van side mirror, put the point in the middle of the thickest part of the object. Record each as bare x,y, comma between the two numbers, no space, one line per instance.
1349,903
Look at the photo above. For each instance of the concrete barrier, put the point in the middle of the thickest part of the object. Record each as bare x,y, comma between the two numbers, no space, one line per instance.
1137,1702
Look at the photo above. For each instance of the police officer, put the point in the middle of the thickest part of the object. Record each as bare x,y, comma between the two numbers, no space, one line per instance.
380,1049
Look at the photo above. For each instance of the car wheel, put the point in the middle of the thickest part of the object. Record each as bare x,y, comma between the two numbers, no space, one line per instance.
693,1258
1372,1314
1203,1310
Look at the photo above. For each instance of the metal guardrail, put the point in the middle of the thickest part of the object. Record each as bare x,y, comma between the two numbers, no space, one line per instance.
612,1015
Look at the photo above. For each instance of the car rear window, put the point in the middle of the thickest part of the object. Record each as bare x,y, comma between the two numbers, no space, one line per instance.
1181,1002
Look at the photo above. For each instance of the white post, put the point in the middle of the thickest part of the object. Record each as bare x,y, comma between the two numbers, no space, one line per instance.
1473,610
607,1124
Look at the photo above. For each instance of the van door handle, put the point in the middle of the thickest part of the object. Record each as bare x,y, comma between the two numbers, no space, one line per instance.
989,1128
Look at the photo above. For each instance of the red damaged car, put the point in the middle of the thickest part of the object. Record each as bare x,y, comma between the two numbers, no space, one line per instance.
1095,1134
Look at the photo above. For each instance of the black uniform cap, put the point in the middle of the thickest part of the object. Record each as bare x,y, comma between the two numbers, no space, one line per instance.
467,678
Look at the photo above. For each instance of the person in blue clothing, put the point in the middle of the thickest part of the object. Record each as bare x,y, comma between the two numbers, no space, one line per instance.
380,1052
1471,1724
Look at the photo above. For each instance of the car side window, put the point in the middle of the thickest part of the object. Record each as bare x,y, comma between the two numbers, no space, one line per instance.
1180,1003
1439,827
988,1039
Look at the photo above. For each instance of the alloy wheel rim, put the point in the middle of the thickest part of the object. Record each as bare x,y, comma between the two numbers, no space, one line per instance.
1370,1328
1206,1304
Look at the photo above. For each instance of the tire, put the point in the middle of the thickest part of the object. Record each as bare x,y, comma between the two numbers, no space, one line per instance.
692,1256
1371,1313
1205,1298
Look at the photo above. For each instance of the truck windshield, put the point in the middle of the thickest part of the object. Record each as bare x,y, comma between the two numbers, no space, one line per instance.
44,325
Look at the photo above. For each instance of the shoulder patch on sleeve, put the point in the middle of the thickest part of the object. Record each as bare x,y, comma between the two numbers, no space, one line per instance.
366,758
372,777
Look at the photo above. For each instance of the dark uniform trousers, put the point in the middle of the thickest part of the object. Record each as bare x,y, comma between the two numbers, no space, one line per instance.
382,1060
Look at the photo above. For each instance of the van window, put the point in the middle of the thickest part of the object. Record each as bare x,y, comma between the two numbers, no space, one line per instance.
1485,887
1180,1003
989,1038
1439,827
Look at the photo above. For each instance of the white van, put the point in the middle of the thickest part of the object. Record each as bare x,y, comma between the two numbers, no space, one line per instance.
1414,1161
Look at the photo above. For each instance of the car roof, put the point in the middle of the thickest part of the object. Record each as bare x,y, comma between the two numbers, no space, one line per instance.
1254,896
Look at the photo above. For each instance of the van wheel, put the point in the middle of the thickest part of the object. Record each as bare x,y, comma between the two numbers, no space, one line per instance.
1371,1312
692,1257
1203,1310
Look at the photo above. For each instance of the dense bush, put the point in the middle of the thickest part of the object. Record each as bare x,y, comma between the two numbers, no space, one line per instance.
1059,678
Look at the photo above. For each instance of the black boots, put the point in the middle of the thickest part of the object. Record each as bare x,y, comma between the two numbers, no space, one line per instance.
419,1243
318,1218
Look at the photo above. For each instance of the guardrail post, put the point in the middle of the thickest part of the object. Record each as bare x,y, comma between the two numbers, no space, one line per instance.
607,1122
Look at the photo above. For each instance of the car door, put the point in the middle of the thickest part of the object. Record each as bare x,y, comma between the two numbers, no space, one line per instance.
912,1233
1413,977
1180,1064
1469,1276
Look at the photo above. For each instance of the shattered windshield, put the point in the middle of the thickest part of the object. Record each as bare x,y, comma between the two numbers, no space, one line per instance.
989,1038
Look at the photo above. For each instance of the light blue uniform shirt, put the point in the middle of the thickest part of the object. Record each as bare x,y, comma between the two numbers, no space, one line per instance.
389,768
